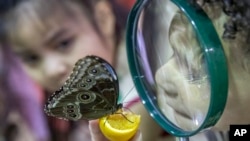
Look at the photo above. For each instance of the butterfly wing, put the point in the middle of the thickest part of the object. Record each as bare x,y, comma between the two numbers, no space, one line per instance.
90,92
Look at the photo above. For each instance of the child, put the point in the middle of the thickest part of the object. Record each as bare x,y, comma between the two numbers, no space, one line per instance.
50,36
231,21
181,71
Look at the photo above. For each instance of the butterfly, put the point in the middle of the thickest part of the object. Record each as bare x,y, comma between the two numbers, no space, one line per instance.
90,92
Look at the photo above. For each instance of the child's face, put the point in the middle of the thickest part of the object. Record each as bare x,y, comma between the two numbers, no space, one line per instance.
185,103
175,55
181,100
48,55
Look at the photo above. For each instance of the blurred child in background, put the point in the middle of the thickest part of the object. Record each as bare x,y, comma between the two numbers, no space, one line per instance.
50,36
231,19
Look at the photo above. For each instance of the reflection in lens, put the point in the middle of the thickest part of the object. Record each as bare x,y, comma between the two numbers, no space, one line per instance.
173,64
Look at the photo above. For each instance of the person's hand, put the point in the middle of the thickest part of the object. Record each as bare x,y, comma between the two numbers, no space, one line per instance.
96,134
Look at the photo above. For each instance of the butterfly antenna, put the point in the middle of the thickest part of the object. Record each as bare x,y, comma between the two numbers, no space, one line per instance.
123,99
135,77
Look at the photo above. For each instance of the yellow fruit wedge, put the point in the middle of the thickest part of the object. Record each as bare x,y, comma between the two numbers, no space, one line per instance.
120,126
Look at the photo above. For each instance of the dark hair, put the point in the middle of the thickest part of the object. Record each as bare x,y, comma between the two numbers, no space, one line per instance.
239,13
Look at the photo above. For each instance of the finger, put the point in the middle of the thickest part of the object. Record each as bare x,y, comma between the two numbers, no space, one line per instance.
95,132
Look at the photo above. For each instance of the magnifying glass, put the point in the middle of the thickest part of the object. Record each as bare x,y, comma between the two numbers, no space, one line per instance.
178,65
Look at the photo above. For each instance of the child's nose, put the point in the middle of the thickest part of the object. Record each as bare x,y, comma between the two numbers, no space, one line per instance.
55,68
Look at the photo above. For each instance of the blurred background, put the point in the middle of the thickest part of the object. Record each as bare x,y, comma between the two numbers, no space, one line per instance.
21,100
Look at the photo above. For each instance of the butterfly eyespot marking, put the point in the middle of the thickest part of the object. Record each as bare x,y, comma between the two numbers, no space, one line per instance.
70,106
88,80
70,111
94,71
84,85
73,115
86,97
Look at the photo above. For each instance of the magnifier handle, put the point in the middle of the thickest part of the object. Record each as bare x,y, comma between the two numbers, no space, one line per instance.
182,139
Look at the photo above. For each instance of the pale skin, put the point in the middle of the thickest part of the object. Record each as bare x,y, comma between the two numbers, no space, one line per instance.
78,38
180,100
175,99
194,98
183,102
49,54
237,101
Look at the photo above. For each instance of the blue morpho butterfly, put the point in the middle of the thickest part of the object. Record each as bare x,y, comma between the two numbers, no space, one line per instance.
90,92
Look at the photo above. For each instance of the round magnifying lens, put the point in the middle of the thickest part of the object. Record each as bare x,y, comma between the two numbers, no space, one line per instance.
178,65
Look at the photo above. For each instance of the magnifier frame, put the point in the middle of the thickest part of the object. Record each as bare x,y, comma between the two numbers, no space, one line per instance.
213,54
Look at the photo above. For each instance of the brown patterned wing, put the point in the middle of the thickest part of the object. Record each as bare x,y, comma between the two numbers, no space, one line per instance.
90,92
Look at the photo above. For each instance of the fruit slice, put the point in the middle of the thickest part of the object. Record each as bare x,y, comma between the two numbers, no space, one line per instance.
120,126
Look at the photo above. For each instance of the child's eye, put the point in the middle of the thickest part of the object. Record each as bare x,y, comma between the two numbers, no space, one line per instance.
64,44
31,59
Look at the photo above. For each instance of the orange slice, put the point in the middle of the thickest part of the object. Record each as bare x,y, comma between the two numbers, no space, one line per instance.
120,126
